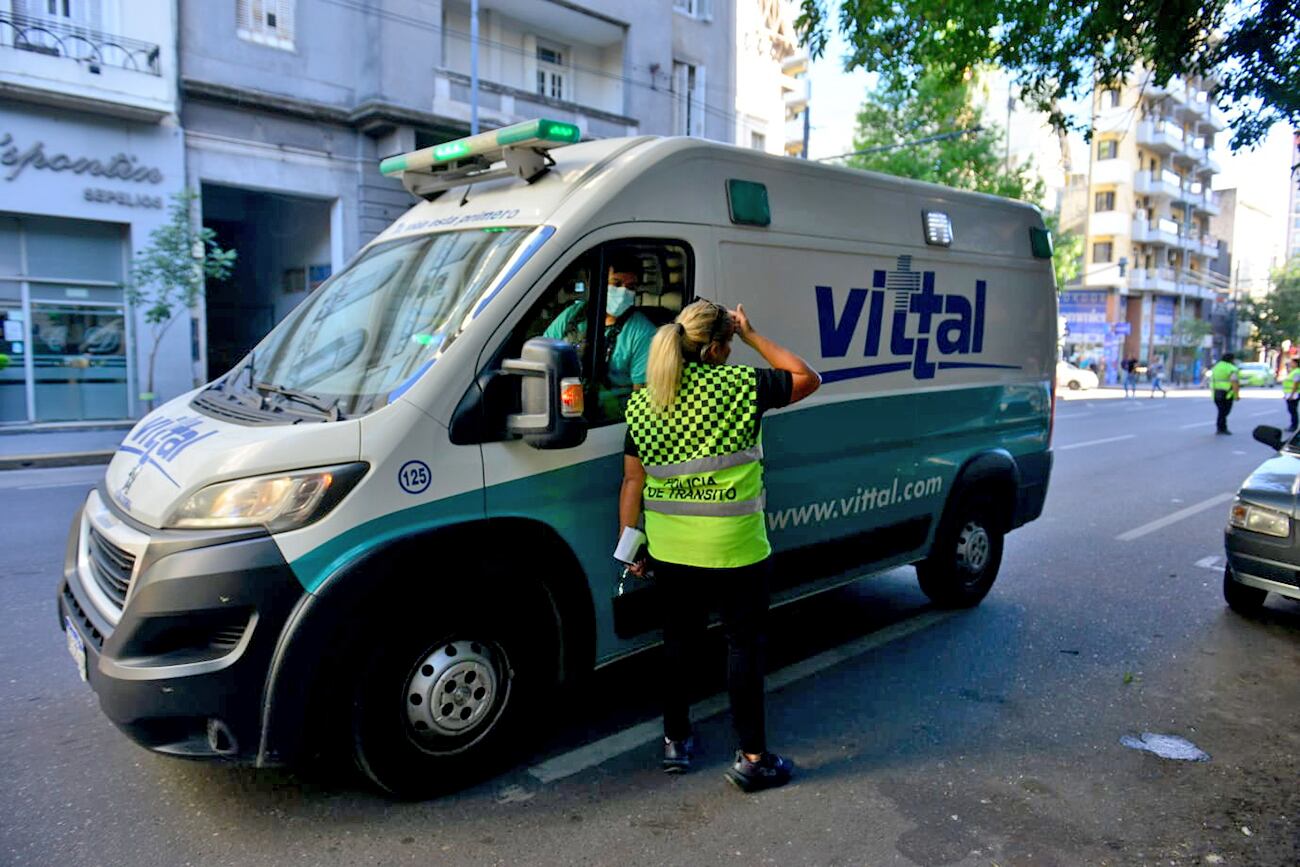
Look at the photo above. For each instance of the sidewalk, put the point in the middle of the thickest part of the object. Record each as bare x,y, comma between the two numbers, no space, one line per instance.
59,446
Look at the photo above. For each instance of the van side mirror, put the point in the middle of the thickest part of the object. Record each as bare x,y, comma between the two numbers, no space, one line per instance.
1269,436
550,395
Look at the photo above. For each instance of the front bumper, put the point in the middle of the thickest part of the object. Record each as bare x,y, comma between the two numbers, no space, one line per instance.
181,664
1265,562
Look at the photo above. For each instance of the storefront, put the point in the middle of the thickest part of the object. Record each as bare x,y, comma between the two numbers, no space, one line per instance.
79,195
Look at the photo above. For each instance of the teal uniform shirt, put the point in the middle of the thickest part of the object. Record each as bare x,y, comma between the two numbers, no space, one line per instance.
627,366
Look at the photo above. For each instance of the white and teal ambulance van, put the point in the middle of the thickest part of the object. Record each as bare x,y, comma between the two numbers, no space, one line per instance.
389,528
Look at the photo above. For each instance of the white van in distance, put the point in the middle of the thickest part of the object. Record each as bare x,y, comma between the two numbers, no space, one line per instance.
389,528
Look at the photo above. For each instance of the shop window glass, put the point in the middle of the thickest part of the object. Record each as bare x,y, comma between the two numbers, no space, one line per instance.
73,249
13,380
79,360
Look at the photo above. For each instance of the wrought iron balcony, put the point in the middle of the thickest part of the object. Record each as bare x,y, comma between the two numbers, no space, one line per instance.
56,39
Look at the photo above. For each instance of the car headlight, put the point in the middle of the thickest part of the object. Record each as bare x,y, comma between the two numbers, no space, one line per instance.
281,501
1257,519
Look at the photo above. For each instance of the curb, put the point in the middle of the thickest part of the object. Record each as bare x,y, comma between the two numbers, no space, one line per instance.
56,459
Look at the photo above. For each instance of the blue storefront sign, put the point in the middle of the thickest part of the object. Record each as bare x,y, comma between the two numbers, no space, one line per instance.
1163,320
1085,315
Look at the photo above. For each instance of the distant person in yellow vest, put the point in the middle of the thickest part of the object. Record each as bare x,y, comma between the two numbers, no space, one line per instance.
1291,390
693,457
1226,386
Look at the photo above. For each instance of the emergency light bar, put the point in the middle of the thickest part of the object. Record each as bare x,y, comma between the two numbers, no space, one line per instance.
522,146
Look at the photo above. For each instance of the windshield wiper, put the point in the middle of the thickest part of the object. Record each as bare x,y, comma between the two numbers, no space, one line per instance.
304,397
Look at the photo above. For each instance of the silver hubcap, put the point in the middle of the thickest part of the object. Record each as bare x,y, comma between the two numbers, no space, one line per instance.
453,689
973,548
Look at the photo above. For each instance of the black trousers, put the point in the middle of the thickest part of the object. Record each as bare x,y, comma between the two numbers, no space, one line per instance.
740,596
1223,404
1291,408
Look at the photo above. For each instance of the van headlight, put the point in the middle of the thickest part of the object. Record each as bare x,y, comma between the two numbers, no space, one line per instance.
281,501
1257,519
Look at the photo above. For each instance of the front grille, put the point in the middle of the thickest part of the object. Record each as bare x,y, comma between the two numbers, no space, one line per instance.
110,566
79,616
227,637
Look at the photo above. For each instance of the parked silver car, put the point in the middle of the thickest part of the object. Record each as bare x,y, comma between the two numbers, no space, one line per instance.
1261,540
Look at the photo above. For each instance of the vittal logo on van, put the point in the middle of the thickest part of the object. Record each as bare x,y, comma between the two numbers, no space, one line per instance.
160,441
908,321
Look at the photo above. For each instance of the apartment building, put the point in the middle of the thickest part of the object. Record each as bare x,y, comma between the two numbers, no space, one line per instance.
772,99
288,106
90,153
1144,205
1293,202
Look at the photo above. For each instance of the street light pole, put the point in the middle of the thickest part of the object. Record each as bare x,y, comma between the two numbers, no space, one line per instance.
473,67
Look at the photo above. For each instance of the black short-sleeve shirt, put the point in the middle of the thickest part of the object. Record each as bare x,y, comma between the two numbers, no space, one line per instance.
775,388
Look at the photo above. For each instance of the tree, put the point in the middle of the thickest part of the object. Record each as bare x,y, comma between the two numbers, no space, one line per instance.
1188,333
932,130
167,275
1067,252
1276,316
1059,50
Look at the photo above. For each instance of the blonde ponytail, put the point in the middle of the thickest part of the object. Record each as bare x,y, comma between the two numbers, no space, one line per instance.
685,338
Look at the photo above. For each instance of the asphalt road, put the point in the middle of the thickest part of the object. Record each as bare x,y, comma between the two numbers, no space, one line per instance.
989,736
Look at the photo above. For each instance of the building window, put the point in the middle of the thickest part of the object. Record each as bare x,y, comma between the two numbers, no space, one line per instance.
1110,98
266,22
552,70
758,142
1107,149
1105,201
688,99
695,8
1102,251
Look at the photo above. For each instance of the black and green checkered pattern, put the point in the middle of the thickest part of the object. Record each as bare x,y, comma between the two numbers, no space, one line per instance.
716,414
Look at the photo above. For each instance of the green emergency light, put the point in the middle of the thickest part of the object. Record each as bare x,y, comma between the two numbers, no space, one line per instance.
540,133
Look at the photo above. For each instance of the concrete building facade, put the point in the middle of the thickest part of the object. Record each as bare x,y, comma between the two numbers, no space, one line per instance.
289,105
91,152
1293,209
1144,205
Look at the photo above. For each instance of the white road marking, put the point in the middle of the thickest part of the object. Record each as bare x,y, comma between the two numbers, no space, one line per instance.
1214,561
1095,442
1266,412
1061,415
597,752
1161,523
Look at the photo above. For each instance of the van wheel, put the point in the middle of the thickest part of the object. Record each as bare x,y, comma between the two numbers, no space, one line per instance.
439,698
1241,598
966,556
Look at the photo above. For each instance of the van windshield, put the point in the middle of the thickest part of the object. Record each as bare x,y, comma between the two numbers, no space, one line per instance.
374,327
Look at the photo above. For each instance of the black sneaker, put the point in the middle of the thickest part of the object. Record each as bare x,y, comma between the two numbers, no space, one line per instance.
768,772
678,755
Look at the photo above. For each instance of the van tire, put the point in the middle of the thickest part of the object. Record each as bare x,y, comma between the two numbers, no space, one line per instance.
500,649
967,553
1241,598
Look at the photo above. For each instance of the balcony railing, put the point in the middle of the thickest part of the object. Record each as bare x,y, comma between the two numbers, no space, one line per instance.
1159,184
56,39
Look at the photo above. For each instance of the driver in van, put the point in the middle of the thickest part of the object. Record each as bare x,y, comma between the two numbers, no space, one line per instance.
628,333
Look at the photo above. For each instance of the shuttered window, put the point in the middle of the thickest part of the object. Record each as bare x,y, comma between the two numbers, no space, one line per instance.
266,22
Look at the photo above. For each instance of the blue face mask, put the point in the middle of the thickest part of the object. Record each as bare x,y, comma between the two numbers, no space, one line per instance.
618,300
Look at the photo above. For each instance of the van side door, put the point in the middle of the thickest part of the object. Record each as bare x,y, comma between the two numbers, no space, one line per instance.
575,491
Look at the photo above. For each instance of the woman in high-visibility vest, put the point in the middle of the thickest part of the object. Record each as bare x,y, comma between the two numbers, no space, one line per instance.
693,462
1291,390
